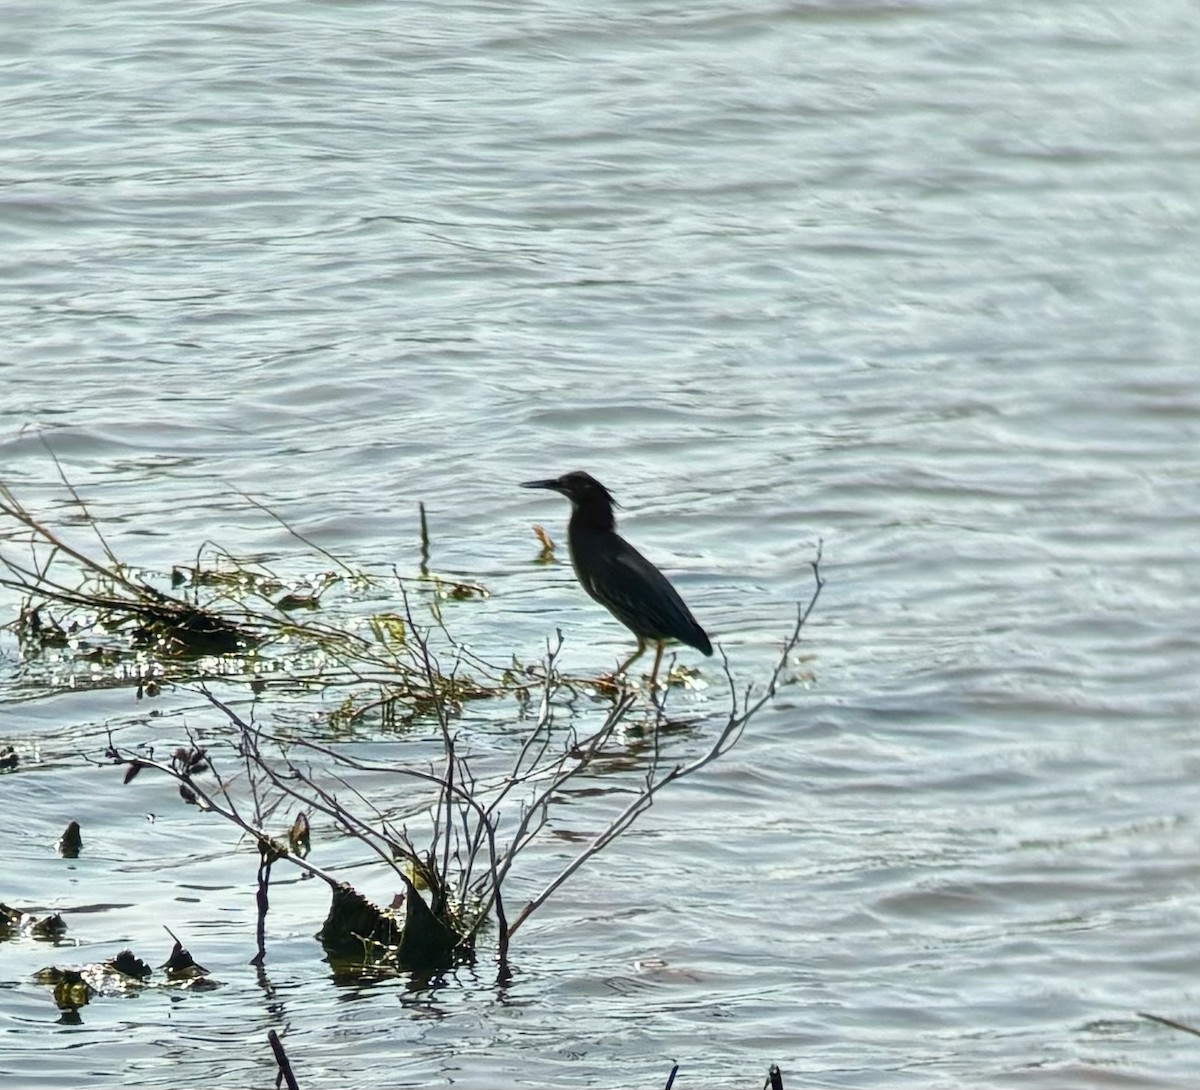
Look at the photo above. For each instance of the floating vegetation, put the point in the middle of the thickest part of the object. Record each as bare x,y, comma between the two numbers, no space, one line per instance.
14,922
180,965
76,986
103,609
70,844
102,613
89,620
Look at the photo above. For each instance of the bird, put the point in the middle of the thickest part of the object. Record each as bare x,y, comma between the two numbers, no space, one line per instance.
617,576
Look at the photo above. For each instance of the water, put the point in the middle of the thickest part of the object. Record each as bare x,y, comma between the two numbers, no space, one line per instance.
916,280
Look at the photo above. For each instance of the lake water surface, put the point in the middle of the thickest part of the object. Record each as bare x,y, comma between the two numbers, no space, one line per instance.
915,280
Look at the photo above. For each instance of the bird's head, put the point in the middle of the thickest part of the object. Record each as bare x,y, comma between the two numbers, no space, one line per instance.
587,495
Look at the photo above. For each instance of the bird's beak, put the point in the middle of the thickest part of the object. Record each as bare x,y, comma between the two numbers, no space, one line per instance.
552,484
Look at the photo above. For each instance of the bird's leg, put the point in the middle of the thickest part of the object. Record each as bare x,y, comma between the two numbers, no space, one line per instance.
657,660
641,650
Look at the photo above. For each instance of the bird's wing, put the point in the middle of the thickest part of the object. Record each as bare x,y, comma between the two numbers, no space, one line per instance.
642,598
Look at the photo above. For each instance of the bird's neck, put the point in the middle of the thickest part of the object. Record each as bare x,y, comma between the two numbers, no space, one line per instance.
597,518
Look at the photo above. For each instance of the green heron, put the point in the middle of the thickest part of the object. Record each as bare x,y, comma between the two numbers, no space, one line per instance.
614,573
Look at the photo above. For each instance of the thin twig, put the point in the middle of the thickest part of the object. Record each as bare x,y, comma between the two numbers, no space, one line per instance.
95,526
726,739
1169,1022
294,532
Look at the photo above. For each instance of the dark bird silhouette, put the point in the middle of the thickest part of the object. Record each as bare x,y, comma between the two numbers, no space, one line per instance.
614,573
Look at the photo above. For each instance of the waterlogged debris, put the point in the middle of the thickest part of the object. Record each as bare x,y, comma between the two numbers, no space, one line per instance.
49,927
427,940
682,676
226,572
103,612
127,964
112,617
353,921
69,987
298,601
181,965
381,942
90,621
298,835
15,921
73,982
123,975
189,761
305,593
389,629
10,920
174,628
457,591
71,842
71,990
